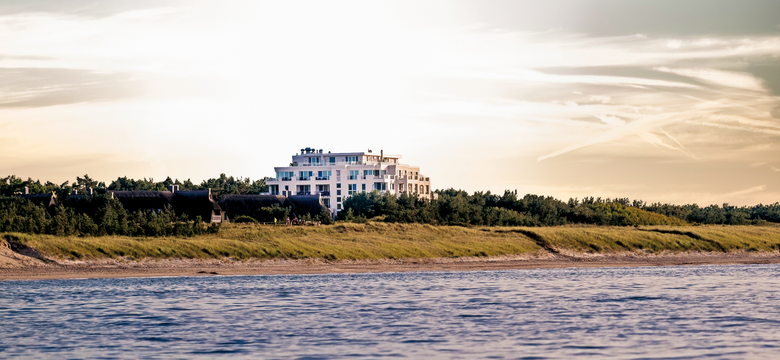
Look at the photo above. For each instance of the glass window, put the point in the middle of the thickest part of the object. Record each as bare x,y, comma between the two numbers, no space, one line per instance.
338,206
364,187
338,192
354,174
338,185
332,159
352,159
338,199
367,172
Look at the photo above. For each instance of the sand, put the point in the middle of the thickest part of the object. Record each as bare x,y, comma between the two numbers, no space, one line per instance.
14,266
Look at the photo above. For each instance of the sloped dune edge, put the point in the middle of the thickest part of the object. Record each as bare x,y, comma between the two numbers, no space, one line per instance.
16,266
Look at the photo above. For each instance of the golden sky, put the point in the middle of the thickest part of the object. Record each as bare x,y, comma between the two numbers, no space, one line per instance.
672,101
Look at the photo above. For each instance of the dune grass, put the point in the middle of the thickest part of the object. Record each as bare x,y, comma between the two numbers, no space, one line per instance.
394,241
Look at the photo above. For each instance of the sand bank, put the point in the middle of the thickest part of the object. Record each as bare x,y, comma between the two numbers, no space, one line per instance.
538,260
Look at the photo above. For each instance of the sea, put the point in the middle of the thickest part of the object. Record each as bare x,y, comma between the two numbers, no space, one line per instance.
685,312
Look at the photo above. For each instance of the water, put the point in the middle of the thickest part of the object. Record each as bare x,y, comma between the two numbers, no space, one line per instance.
659,312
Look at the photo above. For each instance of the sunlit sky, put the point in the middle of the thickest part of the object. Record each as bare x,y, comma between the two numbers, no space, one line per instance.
673,101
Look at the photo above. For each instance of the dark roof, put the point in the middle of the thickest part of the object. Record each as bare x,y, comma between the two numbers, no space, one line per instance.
47,200
306,204
195,203
235,205
142,200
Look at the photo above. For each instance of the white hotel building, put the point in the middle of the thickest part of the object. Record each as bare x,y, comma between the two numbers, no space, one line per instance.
336,176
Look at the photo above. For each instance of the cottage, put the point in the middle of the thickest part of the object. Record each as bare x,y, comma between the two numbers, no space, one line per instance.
48,201
236,205
197,203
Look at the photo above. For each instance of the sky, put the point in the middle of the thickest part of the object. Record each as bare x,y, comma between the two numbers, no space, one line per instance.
665,101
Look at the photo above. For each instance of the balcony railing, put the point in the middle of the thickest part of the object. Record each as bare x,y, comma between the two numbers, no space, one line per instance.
345,163
325,193
323,178
303,193
352,177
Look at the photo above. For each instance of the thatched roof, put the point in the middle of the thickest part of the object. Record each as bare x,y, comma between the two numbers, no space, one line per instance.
235,205
47,200
195,203
142,200
306,204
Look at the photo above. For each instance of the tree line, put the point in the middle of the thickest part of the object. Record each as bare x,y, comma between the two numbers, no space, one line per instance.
95,216
457,207
219,186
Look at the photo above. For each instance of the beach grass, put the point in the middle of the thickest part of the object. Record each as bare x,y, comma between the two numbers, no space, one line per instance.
377,240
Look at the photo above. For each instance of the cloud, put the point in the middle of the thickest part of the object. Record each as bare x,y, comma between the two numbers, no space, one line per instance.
719,77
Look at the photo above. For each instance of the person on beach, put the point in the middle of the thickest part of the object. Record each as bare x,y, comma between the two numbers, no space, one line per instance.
295,220
288,220
274,221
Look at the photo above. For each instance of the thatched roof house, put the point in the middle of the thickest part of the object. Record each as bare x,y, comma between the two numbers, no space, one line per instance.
47,200
197,203
236,205
306,204
142,200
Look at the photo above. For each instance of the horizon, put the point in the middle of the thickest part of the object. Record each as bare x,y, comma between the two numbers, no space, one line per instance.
662,101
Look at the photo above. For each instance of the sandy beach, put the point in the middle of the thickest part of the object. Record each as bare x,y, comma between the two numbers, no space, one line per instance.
538,260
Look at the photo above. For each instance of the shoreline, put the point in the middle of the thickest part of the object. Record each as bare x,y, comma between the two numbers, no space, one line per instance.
535,260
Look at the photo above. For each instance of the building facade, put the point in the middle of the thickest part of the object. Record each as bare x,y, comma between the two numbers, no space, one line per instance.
336,176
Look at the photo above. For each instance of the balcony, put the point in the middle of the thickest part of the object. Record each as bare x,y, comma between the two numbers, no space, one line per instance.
325,193
352,177
322,178
303,193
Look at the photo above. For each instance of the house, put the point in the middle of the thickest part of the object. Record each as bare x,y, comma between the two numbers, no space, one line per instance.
336,176
197,203
247,205
48,201
192,203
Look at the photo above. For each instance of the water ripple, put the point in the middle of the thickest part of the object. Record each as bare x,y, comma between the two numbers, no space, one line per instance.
659,312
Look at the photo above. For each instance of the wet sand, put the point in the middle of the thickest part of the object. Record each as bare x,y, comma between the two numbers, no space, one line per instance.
538,260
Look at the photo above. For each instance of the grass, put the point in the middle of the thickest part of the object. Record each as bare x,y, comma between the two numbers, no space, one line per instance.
381,240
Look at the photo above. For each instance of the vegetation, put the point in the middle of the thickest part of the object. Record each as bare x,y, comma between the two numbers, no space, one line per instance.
377,240
219,186
456,207
95,216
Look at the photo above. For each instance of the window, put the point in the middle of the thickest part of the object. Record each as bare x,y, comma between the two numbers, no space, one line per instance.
338,192
376,172
304,175
392,186
332,159
364,187
338,206
285,175
367,173
287,187
338,185
352,188
326,202
352,159
314,161
338,199
353,174
323,175
381,186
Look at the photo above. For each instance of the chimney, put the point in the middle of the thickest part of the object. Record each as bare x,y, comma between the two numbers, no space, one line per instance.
176,187
26,190
74,192
381,156
172,188
90,191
